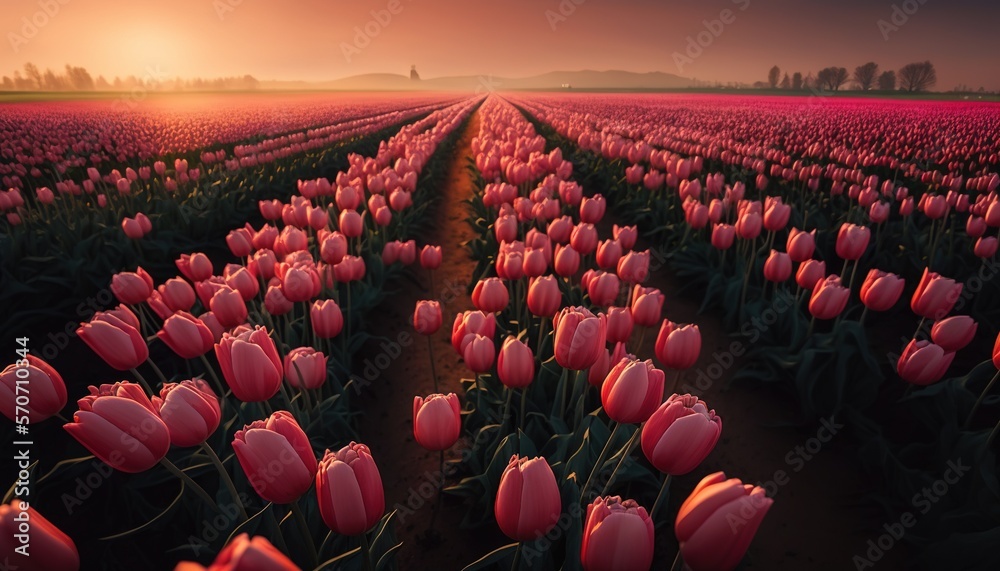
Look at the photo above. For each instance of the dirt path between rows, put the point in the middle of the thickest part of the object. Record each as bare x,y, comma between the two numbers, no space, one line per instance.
819,519
410,473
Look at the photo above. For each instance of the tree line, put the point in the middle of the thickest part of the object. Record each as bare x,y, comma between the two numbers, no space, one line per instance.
912,77
31,78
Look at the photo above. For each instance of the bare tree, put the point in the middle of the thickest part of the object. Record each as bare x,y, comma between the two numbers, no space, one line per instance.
887,81
786,82
774,76
832,78
797,80
865,75
917,76
32,76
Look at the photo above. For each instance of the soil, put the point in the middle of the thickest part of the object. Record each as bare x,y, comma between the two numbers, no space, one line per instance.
819,519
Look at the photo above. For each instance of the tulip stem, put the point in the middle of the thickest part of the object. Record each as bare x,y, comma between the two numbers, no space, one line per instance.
677,561
600,462
142,381
225,478
541,340
306,534
920,327
437,504
992,437
190,482
366,553
430,352
524,406
517,558
211,372
626,453
159,373
660,497
864,314
563,389
642,337
979,401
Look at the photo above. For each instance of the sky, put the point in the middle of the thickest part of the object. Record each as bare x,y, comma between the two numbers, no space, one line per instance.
313,40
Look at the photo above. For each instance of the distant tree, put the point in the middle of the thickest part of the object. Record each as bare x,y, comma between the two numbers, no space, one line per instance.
20,83
917,76
774,76
79,78
101,83
832,78
760,85
887,81
32,75
809,82
53,82
864,75
786,82
8,83
797,80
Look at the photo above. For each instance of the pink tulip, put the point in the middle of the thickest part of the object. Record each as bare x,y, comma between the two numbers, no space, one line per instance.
881,290
617,536
632,390
954,333
829,298
437,421
349,490
515,364
528,502
39,380
191,411
276,457
680,434
923,362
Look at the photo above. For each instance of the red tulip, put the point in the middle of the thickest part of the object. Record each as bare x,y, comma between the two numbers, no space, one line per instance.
603,288
228,306
350,224
544,296
777,267
471,322
117,342
592,209
437,421
579,335
132,288
535,262
528,503
619,324
723,236
326,318
881,290
800,245
245,554
633,267
647,306
678,347
430,257
275,302
829,298
935,295
923,362
177,294
632,390
119,425
190,409
515,364
490,295
618,536
478,352
776,214
609,252
852,241
954,333
810,273
680,434
305,367
244,282
276,456
250,364
748,226
349,490
717,522
49,549
985,247
567,261
195,267
132,228
427,317
240,242
34,377
626,236
300,283
583,239
186,335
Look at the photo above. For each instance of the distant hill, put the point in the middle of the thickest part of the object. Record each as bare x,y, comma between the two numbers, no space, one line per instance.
586,79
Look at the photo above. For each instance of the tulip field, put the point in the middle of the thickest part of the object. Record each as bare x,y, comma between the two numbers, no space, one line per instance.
699,332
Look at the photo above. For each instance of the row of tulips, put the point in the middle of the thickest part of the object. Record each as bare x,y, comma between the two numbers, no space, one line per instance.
271,323
875,226
561,456
70,239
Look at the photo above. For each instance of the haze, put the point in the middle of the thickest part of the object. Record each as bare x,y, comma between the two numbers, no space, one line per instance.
317,40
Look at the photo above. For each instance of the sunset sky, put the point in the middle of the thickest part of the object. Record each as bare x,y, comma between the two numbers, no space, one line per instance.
305,39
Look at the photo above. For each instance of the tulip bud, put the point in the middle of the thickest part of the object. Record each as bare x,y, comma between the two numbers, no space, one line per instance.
349,490
617,536
680,434
305,368
50,548
528,503
191,411
632,390
515,364
678,347
437,421
38,379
